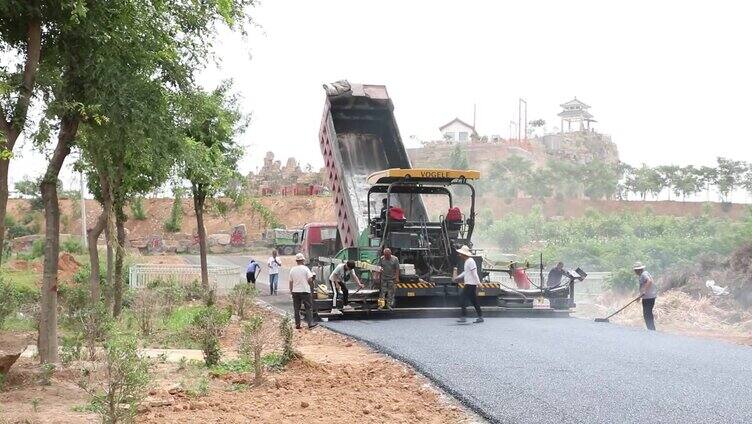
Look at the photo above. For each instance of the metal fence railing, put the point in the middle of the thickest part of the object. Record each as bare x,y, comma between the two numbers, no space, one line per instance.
593,284
221,278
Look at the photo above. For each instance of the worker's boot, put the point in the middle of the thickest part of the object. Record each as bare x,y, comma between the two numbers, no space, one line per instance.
479,320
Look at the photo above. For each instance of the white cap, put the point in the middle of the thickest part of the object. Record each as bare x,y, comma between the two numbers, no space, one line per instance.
300,257
464,250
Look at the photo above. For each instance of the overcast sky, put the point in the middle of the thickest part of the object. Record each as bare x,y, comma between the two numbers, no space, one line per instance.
669,81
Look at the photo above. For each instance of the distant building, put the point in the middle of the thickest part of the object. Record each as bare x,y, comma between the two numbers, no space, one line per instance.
458,130
577,112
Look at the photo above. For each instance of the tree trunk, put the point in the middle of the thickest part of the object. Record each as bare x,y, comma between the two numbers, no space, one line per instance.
13,127
108,237
48,314
92,236
198,205
119,258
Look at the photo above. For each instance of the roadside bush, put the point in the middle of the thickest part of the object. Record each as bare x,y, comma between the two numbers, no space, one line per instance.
9,300
72,245
137,209
285,330
144,309
242,296
169,293
175,222
123,383
193,291
46,371
206,329
37,250
72,348
252,342
95,324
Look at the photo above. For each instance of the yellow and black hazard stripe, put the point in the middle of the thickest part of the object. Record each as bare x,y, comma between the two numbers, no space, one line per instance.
484,285
414,285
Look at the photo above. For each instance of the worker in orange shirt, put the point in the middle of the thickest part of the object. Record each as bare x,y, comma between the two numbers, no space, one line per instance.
520,277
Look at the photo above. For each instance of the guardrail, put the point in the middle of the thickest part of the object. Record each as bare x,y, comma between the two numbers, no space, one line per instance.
221,278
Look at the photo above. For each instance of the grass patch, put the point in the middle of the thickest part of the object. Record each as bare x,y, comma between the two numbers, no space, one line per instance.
180,319
22,279
271,360
17,323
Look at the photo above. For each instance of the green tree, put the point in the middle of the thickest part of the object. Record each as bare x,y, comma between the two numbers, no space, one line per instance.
565,178
601,180
20,37
687,182
746,182
729,176
537,184
510,175
458,158
210,123
648,181
707,176
669,174
87,46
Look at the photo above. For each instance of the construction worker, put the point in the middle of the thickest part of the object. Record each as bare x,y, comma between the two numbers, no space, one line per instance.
343,273
471,280
301,280
649,292
389,275
251,271
273,263
554,276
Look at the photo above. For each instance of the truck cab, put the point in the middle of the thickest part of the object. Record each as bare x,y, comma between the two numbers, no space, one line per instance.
319,239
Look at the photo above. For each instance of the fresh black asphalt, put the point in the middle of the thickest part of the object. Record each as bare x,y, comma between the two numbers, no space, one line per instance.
569,370
561,370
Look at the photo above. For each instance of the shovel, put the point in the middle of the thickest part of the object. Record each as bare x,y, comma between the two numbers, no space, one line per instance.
622,308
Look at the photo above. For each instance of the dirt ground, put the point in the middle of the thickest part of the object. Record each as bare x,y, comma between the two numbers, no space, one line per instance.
334,377
677,312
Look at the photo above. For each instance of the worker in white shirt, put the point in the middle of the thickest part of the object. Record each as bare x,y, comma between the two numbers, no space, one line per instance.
274,264
301,280
343,273
471,279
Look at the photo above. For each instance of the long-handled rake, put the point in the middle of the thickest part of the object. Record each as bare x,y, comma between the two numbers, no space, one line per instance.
622,308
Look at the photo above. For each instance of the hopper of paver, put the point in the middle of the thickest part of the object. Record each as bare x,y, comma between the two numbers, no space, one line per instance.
358,137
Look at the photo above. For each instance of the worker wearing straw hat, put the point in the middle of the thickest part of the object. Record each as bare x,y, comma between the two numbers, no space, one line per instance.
648,291
471,279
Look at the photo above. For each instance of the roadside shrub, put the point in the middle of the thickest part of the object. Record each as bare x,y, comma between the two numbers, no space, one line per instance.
46,371
72,245
285,330
9,300
37,250
122,386
137,209
175,222
95,323
206,329
71,349
252,341
193,291
169,293
144,309
242,296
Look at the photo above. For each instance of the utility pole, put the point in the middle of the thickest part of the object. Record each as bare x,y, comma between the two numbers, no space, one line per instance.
83,210
519,118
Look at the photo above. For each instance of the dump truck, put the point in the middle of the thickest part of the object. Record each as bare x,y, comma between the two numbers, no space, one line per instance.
286,242
380,201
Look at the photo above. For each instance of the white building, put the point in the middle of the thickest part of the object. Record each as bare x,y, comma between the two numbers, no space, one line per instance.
458,130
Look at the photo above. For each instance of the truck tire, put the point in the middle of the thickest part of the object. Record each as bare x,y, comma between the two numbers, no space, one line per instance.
288,250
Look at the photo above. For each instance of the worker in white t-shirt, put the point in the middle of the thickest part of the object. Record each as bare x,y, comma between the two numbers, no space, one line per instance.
301,280
274,263
470,276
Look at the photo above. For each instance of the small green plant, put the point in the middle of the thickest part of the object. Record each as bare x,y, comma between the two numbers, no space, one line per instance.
35,404
267,215
122,387
137,209
37,250
169,294
46,371
71,349
193,291
182,364
72,245
144,309
242,296
95,324
9,300
206,329
285,330
252,342
2,381
175,222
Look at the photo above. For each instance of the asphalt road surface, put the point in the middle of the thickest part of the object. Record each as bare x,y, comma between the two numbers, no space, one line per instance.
568,370
559,370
